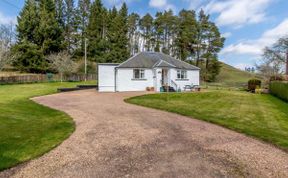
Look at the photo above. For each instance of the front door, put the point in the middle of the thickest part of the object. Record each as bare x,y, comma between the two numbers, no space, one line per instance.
164,79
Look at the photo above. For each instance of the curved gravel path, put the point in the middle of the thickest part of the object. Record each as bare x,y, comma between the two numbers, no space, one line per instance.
116,139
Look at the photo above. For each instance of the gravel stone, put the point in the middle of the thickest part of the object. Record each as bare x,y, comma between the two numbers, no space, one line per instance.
117,139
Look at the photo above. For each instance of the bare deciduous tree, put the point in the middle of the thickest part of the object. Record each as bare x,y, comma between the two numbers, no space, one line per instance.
3,58
275,58
6,40
62,63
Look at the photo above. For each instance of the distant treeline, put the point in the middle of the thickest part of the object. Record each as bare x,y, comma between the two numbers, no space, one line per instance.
50,26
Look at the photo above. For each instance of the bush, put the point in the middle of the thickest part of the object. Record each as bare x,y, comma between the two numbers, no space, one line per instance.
253,84
280,90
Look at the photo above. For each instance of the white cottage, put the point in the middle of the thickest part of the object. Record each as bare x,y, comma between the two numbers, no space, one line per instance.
147,69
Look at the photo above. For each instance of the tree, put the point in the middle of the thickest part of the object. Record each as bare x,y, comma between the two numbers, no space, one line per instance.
201,36
29,58
208,44
60,13
169,25
122,41
50,34
282,47
82,19
62,63
28,23
186,34
146,26
6,41
4,58
95,32
273,61
70,25
133,35
213,69
117,35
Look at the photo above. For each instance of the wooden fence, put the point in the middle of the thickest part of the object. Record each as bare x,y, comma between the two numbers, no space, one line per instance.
35,78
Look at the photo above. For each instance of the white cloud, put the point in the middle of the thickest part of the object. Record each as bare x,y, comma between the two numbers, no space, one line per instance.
161,4
226,34
5,20
158,3
255,47
242,66
233,12
118,3
195,4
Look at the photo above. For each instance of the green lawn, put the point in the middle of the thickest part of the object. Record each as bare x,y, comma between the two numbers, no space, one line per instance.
262,116
27,129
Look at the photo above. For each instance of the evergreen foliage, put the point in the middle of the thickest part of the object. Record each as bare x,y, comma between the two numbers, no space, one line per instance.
51,26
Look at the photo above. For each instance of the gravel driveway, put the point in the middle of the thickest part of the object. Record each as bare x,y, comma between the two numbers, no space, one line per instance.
116,139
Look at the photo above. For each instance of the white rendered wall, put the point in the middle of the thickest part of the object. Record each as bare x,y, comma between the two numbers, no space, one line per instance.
193,77
125,81
106,78
158,79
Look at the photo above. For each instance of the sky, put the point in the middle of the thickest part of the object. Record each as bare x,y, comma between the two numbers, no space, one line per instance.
247,25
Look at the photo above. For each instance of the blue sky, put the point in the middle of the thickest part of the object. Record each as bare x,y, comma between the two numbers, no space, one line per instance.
248,25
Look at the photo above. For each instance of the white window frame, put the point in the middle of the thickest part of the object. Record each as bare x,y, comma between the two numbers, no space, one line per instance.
181,74
141,74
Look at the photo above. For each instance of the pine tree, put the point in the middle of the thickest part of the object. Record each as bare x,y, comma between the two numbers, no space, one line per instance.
208,43
146,26
133,22
27,51
118,35
60,15
82,19
165,32
96,49
29,58
169,27
70,29
202,29
28,21
214,44
123,41
50,34
159,31
186,34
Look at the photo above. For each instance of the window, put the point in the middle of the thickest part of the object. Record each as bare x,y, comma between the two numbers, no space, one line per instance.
138,73
181,74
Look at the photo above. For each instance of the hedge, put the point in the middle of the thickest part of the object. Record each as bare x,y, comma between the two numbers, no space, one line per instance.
279,89
253,84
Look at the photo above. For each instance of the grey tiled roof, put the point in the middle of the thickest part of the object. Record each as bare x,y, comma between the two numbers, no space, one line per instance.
155,59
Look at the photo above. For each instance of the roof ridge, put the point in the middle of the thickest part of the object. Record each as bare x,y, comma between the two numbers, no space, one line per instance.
129,59
180,60
166,63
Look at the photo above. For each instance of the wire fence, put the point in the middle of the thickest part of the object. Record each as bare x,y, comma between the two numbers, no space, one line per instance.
38,78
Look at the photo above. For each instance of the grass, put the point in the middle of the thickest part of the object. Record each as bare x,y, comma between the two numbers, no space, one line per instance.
232,77
262,116
27,129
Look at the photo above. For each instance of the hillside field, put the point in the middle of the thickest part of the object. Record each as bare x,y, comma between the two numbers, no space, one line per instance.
232,77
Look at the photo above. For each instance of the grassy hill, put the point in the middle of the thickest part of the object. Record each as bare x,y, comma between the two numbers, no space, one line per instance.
232,77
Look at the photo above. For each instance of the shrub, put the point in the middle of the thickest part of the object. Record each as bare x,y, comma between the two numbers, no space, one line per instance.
279,89
253,84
